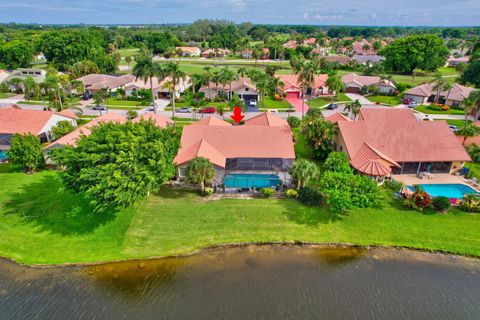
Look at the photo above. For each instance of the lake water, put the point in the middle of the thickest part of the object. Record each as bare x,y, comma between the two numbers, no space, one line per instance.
251,283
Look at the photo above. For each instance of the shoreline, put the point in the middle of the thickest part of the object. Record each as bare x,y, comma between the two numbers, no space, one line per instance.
319,245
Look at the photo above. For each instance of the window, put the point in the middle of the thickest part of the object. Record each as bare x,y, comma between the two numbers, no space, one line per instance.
182,171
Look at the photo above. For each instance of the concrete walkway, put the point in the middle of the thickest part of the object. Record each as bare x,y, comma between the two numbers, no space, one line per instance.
359,97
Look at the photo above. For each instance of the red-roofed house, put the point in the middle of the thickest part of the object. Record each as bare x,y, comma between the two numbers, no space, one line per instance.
337,117
385,141
266,119
354,83
293,89
40,123
427,93
189,51
239,152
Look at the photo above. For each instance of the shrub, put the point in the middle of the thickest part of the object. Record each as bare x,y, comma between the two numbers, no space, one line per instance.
267,192
419,200
310,196
291,193
337,162
208,191
26,151
402,86
392,185
441,204
294,122
471,203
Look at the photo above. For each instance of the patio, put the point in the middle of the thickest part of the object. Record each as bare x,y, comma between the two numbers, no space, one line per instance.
438,178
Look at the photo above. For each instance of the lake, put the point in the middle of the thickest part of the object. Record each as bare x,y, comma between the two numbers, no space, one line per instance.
251,283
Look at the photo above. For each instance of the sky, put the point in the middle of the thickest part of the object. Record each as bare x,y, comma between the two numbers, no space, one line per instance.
319,12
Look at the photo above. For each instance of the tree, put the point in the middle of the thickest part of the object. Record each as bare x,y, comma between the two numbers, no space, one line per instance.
146,69
471,103
176,75
307,72
83,68
354,107
320,135
17,53
468,131
128,60
304,171
473,151
25,151
471,75
337,162
201,172
334,83
29,87
101,96
439,85
61,129
427,52
347,191
118,164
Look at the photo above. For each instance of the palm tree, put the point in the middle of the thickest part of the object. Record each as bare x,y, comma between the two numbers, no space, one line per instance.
474,97
147,69
176,75
439,84
467,108
242,71
28,87
306,77
196,79
334,83
304,171
200,171
52,87
354,107
128,60
262,82
207,76
468,131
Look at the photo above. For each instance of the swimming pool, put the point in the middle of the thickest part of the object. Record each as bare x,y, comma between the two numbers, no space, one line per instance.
239,180
3,155
456,190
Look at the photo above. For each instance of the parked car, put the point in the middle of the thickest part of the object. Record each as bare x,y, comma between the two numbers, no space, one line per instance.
208,110
253,103
454,128
184,110
412,104
87,96
99,107
332,106
272,111
407,101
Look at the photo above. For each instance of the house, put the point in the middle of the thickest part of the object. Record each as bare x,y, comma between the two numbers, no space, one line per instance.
340,59
425,93
368,60
363,48
38,75
248,156
242,87
189,51
386,141
267,119
290,44
293,88
160,87
247,54
452,61
309,41
96,82
354,83
215,53
85,130
40,123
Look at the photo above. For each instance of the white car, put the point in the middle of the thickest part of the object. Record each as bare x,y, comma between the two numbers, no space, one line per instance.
412,104
253,103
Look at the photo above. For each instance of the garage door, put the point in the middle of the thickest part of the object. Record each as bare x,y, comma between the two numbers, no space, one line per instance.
294,94
352,90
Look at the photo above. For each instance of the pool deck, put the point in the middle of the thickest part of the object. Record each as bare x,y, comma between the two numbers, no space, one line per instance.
440,178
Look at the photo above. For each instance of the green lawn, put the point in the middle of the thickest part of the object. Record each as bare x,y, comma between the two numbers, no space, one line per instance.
474,169
394,101
44,224
429,110
274,104
125,103
5,95
128,52
320,102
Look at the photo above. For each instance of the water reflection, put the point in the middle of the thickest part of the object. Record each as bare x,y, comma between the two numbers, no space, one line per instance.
250,283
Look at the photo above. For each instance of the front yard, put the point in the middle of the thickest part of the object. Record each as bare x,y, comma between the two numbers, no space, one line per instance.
44,224
428,109
320,102
389,100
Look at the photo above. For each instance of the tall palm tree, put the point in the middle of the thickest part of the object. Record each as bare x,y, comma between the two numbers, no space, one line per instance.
354,107
334,83
196,79
306,78
28,87
304,171
146,69
474,100
207,76
242,71
439,84
172,70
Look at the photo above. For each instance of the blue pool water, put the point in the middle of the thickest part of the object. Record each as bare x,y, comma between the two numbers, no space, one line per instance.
3,155
456,191
237,180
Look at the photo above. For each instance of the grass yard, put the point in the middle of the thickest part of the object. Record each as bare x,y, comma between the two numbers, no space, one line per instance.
44,224
5,95
274,104
120,102
390,100
427,109
320,102
474,169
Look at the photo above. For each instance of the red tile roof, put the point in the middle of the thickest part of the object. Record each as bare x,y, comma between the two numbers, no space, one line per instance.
219,142
159,120
397,135
366,80
337,117
15,120
266,119
291,81
458,92
372,162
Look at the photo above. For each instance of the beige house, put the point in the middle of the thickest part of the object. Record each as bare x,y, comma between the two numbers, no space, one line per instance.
161,88
425,93
242,87
354,83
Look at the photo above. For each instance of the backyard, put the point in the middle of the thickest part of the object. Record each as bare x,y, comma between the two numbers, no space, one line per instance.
44,224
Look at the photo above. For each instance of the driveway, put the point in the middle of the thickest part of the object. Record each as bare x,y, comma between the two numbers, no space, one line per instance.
359,97
297,104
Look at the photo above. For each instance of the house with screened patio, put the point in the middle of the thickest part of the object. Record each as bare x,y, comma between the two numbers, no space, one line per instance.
383,142
257,154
